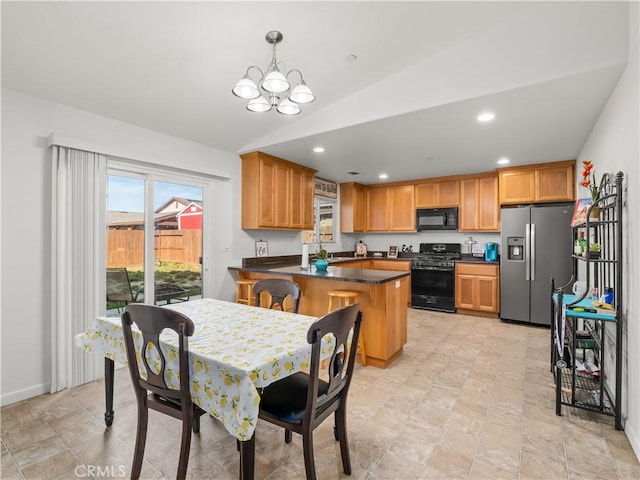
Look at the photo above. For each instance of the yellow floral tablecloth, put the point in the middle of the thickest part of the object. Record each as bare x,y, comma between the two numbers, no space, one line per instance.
234,351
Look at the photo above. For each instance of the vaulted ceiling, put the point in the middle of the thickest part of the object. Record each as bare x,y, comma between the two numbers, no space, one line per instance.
407,106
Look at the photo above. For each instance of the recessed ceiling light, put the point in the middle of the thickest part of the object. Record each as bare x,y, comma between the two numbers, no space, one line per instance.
503,161
383,176
486,117
318,149
351,58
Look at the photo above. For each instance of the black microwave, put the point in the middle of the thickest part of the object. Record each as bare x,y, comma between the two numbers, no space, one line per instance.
437,218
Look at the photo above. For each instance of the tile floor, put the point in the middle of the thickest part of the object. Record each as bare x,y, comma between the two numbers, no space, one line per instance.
469,399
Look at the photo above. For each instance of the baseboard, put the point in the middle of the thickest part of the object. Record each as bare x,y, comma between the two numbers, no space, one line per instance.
633,438
25,394
476,313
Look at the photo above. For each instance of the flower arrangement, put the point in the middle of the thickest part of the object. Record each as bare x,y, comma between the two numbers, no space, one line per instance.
589,180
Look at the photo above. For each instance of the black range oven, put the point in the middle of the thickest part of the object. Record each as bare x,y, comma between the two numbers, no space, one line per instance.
433,277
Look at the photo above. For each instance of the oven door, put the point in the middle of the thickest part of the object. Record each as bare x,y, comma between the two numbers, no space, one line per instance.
433,288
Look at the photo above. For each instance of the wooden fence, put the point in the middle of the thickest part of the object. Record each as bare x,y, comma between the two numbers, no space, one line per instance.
125,248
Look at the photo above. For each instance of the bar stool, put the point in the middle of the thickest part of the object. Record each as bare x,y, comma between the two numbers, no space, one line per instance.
244,291
342,298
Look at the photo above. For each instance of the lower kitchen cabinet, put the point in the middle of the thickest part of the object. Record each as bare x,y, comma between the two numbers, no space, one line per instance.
478,289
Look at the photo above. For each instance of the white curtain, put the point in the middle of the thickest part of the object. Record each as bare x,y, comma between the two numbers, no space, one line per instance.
78,261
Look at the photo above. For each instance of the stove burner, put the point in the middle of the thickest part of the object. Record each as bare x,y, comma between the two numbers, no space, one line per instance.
436,255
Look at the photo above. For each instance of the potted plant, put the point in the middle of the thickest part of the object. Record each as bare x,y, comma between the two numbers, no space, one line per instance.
321,258
594,251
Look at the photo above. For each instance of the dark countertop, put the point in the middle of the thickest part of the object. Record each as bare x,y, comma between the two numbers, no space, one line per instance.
467,258
359,275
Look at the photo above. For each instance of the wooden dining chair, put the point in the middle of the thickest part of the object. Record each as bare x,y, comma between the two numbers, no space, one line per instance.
152,392
278,289
302,401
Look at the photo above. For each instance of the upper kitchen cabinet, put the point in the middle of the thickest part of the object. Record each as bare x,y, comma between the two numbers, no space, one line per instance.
302,194
540,183
402,210
351,207
390,208
479,207
444,193
377,209
276,193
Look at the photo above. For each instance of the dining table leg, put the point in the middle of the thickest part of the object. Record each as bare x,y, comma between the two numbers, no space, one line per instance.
247,458
108,390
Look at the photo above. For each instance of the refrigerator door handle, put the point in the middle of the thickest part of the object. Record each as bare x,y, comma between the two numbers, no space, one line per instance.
527,247
532,261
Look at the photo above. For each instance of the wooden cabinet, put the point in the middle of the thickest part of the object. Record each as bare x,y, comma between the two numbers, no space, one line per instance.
390,209
276,193
302,193
478,288
548,182
479,207
399,265
282,195
352,207
555,183
438,194
377,209
402,210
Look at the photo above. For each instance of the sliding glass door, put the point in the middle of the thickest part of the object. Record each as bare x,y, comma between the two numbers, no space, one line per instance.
155,236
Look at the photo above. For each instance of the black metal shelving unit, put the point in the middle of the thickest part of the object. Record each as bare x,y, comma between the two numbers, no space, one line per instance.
574,331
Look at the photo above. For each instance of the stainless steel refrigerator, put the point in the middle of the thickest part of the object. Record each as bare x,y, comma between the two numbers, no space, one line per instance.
536,245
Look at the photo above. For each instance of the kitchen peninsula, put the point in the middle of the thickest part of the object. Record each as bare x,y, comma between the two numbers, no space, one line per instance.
383,301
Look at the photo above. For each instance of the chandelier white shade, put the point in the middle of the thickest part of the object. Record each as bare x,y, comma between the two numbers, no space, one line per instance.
273,88
245,88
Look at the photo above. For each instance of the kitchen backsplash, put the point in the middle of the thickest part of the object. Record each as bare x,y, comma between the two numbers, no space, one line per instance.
382,241
290,243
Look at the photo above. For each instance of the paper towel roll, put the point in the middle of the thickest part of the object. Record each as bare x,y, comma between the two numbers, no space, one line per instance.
305,255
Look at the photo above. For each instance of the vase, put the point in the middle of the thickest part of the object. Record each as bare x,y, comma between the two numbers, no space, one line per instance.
321,265
594,213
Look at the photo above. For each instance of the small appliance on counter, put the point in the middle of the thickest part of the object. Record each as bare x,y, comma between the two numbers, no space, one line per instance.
361,249
491,252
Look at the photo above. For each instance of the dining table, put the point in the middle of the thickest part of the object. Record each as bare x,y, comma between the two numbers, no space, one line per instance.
235,351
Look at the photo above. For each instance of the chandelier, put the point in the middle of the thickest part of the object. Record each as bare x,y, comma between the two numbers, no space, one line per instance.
273,89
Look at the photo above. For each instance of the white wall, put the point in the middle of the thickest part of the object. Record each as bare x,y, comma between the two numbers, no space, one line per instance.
614,145
25,199
25,236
